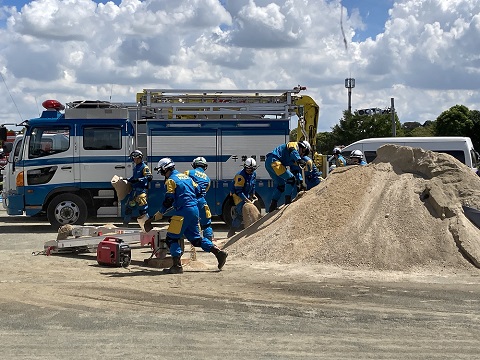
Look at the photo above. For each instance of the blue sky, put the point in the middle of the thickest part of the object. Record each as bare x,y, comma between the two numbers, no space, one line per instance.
423,53
374,14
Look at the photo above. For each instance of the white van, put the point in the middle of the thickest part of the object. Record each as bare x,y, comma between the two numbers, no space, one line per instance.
459,147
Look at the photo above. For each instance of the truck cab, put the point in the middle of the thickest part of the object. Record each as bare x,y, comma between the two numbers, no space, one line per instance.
63,164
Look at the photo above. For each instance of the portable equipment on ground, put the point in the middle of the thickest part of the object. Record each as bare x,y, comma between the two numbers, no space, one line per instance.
112,251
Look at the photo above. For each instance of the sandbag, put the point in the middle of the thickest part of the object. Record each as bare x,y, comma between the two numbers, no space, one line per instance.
250,214
121,186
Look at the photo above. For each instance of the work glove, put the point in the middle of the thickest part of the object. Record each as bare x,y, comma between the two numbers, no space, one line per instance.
133,181
301,163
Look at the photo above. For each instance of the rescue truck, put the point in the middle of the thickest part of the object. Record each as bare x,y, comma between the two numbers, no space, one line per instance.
63,164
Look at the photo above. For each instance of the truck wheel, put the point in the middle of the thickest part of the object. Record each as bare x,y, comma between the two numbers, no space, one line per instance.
67,209
227,210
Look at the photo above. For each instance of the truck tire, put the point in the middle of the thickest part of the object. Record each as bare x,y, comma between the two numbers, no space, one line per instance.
227,209
67,209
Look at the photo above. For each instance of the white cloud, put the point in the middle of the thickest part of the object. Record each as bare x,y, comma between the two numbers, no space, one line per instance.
427,58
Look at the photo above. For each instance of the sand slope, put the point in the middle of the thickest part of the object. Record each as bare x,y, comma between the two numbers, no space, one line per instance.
402,212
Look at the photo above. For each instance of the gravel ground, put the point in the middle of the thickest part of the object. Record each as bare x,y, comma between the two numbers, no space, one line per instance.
66,306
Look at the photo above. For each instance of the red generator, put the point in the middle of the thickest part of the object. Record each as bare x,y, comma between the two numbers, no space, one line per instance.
112,251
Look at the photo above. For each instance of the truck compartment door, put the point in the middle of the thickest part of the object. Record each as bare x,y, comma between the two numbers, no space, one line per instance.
182,146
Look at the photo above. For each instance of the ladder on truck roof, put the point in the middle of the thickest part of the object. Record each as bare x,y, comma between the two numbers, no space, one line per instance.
185,104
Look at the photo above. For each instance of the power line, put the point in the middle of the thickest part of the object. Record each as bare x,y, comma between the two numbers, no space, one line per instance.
9,93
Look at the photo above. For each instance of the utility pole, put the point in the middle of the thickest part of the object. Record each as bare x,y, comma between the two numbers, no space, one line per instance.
392,114
350,84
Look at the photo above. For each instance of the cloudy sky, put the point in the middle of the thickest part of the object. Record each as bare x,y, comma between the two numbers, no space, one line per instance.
423,53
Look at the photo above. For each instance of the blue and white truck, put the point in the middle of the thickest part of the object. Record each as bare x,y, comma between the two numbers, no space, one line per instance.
63,163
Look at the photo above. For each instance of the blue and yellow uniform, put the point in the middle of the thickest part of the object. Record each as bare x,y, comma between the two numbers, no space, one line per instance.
340,161
182,194
312,175
199,176
241,189
138,196
276,163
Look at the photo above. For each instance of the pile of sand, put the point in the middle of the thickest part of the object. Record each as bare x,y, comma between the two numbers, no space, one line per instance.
402,212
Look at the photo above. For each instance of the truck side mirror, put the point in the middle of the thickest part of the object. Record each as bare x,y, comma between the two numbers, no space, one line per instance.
3,133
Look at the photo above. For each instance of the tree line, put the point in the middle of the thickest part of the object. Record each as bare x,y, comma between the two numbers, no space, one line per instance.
456,121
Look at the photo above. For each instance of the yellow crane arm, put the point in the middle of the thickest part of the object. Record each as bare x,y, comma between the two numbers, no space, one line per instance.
308,112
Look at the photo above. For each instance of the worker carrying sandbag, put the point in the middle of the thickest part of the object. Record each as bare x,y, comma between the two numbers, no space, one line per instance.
138,196
242,191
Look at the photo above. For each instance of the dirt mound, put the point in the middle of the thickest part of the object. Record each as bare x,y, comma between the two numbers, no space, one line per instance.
402,212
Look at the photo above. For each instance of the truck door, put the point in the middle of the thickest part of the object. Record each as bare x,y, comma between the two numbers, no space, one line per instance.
182,146
237,146
47,163
102,154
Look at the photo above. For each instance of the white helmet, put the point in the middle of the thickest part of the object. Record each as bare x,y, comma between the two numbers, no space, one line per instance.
250,163
136,154
337,150
306,145
200,162
356,154
164,165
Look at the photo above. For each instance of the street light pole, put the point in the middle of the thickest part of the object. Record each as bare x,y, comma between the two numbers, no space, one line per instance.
350,84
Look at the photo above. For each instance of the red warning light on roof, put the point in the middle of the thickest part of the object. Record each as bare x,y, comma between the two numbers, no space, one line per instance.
53,104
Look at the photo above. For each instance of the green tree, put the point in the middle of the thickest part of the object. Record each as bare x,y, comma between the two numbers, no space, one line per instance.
475,133
410,126
455,121
354,127
422,131
325,142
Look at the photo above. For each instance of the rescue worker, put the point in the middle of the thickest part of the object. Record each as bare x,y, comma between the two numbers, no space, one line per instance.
356,158
339,159
277,163
181,194
199,176
139,181
242,191
312,175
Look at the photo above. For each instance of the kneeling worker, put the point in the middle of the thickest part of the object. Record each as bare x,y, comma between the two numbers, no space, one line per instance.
277,163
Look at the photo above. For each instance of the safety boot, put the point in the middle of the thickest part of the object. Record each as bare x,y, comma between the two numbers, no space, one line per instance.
288,199
273,206
176,267
221,256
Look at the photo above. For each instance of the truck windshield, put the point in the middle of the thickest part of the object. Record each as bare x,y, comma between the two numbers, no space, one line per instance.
48,141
